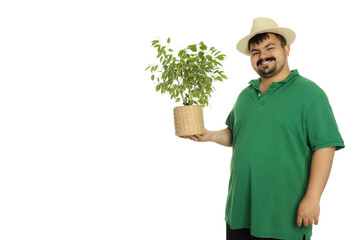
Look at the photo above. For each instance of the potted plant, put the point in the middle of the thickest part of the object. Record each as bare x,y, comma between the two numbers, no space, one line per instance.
188,77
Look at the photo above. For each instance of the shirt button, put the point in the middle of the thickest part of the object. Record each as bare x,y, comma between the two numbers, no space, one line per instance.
259,94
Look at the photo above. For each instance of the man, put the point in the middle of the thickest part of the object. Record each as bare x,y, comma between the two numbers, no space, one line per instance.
284,136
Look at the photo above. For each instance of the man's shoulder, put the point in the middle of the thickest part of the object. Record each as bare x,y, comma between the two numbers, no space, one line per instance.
307,87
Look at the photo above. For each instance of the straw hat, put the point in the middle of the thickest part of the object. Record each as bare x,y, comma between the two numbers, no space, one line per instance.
264,25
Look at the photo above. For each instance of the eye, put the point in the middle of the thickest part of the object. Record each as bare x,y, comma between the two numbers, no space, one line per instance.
270,48
254,53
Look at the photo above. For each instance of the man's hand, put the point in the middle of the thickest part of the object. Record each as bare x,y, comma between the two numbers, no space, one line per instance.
206,136
222,137
308,211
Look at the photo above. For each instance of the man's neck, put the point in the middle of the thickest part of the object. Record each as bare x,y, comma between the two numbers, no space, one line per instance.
266,82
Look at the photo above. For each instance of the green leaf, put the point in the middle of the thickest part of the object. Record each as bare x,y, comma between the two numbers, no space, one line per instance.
219,78
170,57
221,57
209,57
217,63
177,100
201,55
203,46
170,50
192,47
147,68
168,40
181,53
152,77
224,76
154,42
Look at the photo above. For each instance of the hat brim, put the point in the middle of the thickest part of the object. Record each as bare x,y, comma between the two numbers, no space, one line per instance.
287,33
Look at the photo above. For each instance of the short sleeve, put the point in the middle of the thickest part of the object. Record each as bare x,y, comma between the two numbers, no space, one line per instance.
230,120
321,126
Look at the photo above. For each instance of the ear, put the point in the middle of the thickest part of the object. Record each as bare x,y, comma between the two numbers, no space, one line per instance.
287,50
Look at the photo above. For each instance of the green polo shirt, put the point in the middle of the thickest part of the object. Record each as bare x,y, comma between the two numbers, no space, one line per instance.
274,137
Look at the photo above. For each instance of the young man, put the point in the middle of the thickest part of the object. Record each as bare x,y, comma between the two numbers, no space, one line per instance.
284,136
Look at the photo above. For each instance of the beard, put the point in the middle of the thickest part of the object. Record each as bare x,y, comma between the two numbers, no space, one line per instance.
269,71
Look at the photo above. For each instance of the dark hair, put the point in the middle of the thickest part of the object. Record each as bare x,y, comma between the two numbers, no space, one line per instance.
258,38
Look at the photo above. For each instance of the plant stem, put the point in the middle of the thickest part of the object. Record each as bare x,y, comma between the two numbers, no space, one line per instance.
181,93
196,81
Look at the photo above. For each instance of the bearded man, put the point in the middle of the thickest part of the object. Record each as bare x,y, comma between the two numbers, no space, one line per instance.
284,136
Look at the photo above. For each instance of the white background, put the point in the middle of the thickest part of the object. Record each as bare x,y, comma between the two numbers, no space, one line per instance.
87,147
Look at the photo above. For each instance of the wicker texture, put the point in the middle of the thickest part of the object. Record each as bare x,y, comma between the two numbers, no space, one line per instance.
188,120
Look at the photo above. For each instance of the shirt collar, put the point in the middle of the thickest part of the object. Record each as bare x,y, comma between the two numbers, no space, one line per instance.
256,82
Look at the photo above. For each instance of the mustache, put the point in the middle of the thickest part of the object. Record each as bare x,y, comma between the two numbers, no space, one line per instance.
266,59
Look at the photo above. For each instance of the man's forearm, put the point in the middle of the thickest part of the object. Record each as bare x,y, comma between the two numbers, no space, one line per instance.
309,208
222,137
320,170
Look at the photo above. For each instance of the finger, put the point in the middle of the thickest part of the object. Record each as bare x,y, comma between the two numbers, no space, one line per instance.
310,221
316,220
298,221
184,137
194,138
305,222
197,136
200,137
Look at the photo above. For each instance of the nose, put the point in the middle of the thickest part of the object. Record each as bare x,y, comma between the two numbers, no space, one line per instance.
263,55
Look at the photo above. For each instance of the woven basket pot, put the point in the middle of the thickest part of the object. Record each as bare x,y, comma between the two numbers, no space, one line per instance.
188,120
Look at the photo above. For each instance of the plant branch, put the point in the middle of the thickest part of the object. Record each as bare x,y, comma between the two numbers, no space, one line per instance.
196,81
181,93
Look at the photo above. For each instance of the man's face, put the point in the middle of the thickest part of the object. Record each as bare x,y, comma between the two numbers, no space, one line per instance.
268,58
